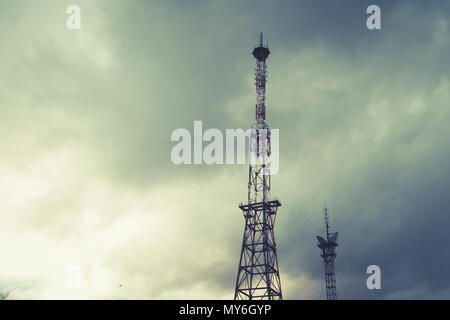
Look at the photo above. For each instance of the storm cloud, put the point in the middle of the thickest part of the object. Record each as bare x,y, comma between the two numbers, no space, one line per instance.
86,117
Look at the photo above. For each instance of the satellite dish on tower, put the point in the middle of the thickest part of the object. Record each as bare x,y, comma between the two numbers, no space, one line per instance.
333,237
322,241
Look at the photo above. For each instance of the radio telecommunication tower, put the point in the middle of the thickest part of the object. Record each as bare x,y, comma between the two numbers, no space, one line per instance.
258,276
328,246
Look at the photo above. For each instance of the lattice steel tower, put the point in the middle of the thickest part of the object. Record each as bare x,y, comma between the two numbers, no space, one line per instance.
328,247
258,276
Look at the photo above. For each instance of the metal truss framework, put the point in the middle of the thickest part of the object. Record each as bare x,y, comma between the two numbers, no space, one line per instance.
258,275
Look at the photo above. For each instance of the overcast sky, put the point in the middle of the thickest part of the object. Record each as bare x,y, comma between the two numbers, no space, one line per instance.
86,117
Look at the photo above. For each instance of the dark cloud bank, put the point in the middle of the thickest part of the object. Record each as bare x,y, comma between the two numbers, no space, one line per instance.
363,117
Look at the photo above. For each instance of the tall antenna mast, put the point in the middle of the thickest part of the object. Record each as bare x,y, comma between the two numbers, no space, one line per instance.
260,53
328,247
258,276
325,218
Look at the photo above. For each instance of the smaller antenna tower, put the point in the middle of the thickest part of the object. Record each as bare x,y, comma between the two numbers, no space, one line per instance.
328,247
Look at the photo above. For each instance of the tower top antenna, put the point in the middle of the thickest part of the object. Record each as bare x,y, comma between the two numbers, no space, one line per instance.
326,220
261,53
